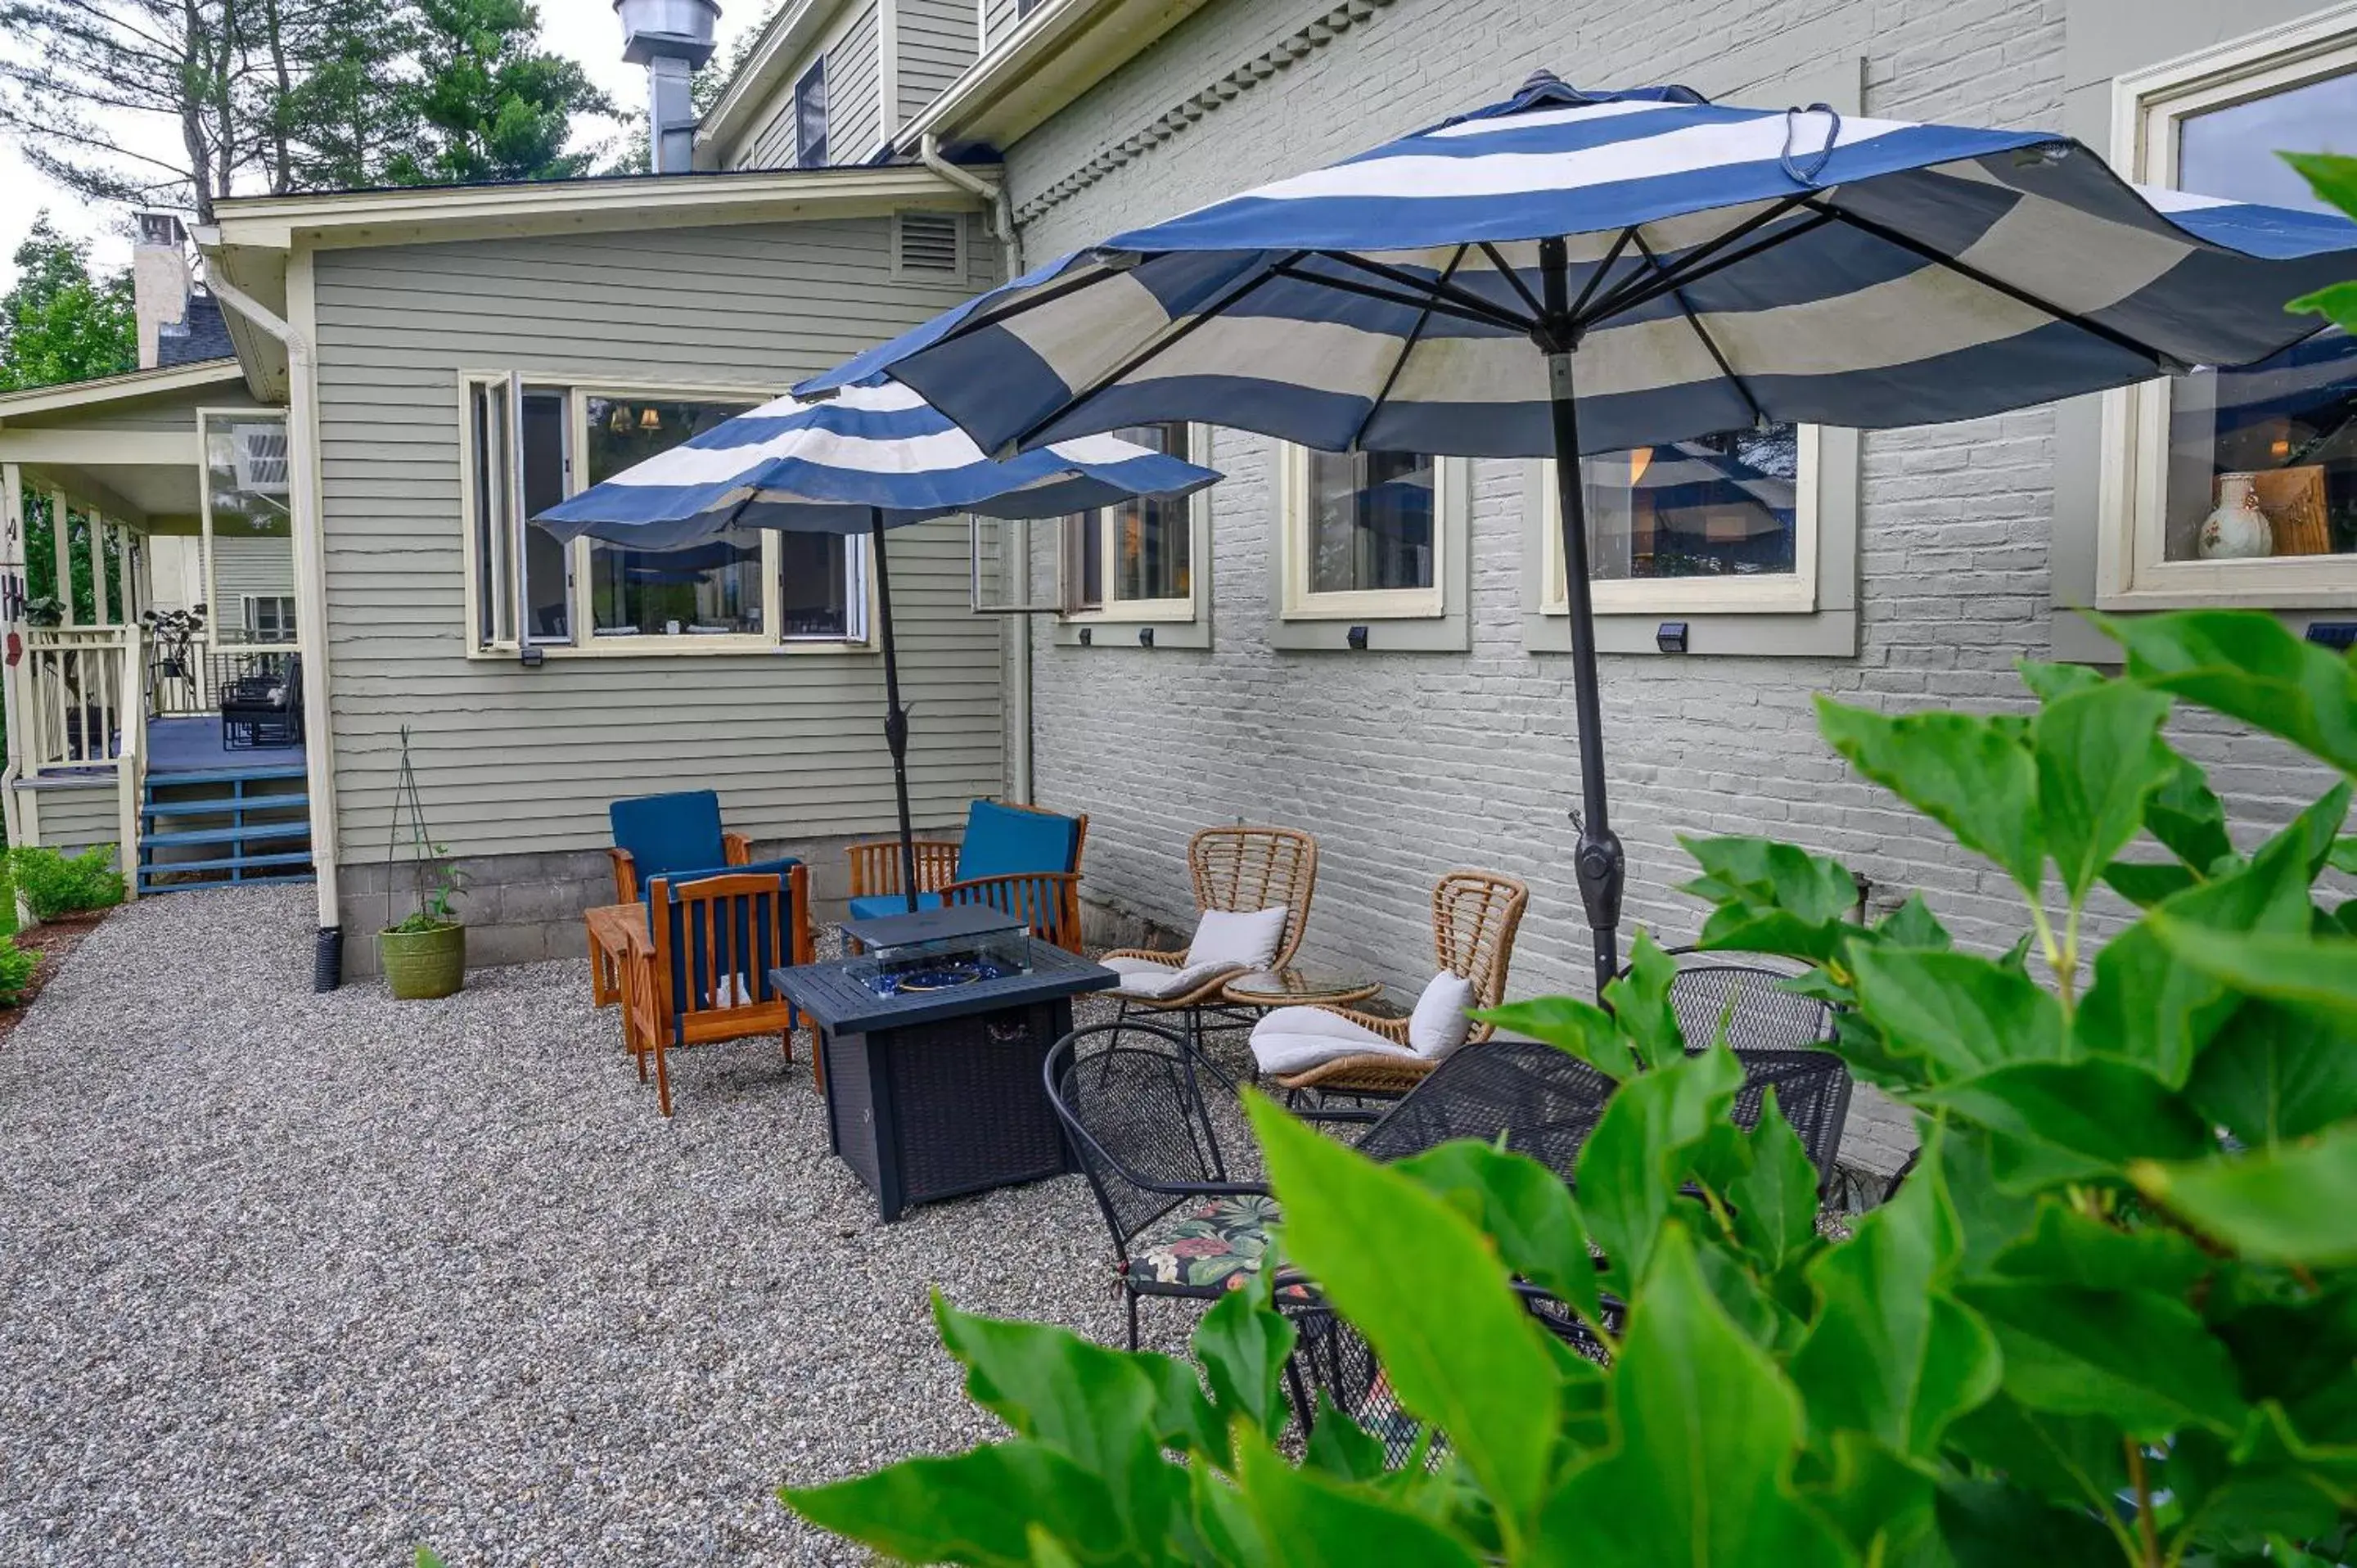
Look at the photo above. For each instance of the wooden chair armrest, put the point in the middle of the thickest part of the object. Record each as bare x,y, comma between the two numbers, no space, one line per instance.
1371,1071
876,866
626,877
1049,901
1169,960
735,849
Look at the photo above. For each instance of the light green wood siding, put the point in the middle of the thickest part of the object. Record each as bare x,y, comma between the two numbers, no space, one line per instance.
514,760
998,19
73,817
937,42
853,97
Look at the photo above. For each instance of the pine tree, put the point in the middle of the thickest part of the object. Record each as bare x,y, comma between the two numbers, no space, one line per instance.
493,104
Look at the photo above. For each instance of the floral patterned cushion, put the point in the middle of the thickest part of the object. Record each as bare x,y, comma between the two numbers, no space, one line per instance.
1209,1245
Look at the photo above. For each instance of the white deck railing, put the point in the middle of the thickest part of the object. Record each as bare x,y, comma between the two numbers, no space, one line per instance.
81,698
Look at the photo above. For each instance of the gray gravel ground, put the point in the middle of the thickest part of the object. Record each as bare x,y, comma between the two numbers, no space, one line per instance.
292,1279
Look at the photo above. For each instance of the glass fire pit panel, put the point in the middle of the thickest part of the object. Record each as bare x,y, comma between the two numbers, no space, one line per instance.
914,955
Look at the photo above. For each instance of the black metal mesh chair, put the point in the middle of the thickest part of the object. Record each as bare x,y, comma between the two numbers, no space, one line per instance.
1812,1089
1543,1100
1137,1124
1746,993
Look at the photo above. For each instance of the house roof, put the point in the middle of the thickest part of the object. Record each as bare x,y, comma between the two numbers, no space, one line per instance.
199,337
793,28
64,395
1056,53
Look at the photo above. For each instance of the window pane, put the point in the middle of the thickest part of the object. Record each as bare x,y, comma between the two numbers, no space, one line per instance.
486,408
708,589
816,572
1152,539
1722,506
1084,560
250,537
547,608
1371,518
2263,460
810,118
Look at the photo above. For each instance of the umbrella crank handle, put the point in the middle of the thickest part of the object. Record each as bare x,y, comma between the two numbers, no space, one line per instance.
1601,866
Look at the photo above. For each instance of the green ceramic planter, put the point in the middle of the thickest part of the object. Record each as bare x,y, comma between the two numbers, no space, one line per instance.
419,965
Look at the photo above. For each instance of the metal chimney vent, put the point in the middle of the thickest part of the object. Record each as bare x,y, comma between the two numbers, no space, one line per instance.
672,38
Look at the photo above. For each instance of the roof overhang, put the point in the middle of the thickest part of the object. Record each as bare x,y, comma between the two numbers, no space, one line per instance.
1056,53
65,397
797,26
250,237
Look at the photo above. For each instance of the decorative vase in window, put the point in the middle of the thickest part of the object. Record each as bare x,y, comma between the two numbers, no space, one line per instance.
2237,529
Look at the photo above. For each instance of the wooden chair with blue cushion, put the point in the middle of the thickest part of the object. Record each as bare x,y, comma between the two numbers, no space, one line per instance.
660,835
703,975
1017,859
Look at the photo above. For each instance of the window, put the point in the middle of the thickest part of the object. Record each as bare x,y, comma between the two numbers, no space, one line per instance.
745,590
2237,486
1362,534
810,117
268,617
1723,523
1137,558
248,537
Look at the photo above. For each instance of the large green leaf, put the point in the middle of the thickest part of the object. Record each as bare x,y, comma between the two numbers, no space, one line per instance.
2293,1204
2313,974
2141,1361
1243,1346
1890,1353
2249,668
2053,683
1764,871
1630,1167
1427,1290
1310,1521
1340,1446
2274,1074
1774,1197
1639,1004
1912,924
2076,1461
1986,1524
2185,814
1960,1012
1580,1028
975,1508
2099,755
1524,1208
1702,1476
1968,774
1096,1406
2065,1246
2100,1112
2333,177
2150,1006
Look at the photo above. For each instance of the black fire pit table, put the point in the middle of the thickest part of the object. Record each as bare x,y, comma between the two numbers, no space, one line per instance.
935,1037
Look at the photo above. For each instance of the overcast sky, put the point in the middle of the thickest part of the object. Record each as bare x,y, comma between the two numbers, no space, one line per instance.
585,29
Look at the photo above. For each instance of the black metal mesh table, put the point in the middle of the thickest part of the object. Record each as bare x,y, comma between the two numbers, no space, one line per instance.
934,1094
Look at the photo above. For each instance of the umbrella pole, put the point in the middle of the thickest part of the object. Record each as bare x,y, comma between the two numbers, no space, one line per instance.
1598,862
895,717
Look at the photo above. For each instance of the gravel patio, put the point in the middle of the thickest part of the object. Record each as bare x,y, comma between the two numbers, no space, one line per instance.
295,1279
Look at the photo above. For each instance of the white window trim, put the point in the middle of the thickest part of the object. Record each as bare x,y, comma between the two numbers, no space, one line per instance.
245,603
1300,603
1174,622
2131,571
578,391
1780,593
815,66
215,622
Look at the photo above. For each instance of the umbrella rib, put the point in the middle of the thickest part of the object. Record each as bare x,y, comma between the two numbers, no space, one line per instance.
1468,304
2110,335
1407,348
1759,415
1429,303
1603,270
1631,296
1509,273
1690,267
1164,339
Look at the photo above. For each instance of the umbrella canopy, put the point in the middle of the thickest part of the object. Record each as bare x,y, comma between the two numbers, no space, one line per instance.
873,459
840,466
1571,272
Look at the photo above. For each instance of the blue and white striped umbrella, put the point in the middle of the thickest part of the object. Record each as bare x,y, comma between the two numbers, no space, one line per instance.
870,455
1572,272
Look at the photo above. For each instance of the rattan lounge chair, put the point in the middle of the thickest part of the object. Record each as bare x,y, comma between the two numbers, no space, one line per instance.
1475,915
1238,870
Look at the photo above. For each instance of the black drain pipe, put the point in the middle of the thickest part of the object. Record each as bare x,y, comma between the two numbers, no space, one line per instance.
328,959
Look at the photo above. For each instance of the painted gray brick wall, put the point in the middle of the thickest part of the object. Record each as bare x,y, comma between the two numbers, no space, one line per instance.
1405,764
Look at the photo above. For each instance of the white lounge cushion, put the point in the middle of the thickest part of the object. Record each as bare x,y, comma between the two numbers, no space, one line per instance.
1144,977
1438,1026
1295,1039
1246,941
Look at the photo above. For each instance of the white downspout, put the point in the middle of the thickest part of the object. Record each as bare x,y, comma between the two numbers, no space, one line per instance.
1001,214
310,582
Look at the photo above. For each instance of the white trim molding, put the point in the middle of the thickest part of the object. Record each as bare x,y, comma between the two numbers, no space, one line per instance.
1173,622
1430,620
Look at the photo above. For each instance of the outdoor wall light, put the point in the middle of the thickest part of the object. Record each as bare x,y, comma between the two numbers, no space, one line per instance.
532,657
2340,634
1088,636
1144,637
1670,637
1358,639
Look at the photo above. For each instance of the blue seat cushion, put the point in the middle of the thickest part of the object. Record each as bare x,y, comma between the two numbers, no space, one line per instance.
877,905
665,834
749,941
1004,839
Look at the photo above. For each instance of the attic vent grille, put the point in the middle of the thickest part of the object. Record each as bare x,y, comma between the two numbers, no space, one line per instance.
928,245
259,457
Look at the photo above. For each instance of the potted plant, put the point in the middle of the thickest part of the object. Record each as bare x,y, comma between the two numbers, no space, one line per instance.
424,952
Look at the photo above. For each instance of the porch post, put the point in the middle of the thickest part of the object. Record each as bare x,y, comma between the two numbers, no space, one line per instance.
61,539
98,616
12,573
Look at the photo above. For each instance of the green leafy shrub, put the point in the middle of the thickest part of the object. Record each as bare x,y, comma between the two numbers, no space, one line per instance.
2110,1317
16,968
54,886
